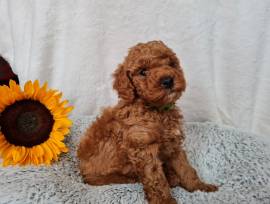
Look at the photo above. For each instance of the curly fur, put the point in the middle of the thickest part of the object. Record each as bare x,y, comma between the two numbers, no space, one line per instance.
135,141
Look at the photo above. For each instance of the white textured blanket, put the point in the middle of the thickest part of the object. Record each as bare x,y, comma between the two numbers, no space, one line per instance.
221,155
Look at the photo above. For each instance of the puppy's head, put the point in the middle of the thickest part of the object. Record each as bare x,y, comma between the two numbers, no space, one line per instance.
152,72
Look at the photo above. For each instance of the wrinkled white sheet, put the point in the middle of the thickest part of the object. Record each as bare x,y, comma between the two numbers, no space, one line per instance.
224,47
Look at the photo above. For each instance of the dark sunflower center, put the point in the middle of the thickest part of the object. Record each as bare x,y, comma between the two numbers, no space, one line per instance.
26,123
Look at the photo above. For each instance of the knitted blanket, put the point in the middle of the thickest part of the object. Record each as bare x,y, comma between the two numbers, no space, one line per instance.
221,155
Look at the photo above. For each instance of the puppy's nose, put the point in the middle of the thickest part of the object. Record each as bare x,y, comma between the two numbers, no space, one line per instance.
167,82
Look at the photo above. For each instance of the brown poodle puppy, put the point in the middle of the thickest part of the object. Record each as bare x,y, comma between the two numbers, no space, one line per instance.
139,139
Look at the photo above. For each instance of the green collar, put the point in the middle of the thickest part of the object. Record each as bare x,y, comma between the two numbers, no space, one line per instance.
164,108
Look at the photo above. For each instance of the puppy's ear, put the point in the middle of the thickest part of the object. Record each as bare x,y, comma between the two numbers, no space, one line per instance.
123,85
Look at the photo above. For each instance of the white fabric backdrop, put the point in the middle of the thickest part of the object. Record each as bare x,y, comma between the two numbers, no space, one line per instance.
75,45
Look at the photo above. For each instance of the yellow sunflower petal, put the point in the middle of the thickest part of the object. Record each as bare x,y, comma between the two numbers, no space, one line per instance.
26,155
40,160
67,110
49,154
27,160
15,90
62,112
57,135
63,103
7,162
49,94
39,150
64,131
34,159
42,92
46,161
50,103
60,145
28,89
58,96
22,150
15,87
55,149
64,149
7,151
57,125
36,89
7,97
16,156
65,122
3,147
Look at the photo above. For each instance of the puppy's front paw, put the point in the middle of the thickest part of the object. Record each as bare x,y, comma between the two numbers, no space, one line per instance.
171,201
207,187
201,186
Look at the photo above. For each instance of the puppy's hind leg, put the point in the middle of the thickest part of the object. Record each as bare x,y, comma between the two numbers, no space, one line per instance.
103,166
188,176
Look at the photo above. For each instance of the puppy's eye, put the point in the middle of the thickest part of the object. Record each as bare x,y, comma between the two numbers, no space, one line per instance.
143,72
172,64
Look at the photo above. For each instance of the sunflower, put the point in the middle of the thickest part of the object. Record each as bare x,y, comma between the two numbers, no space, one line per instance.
33,124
